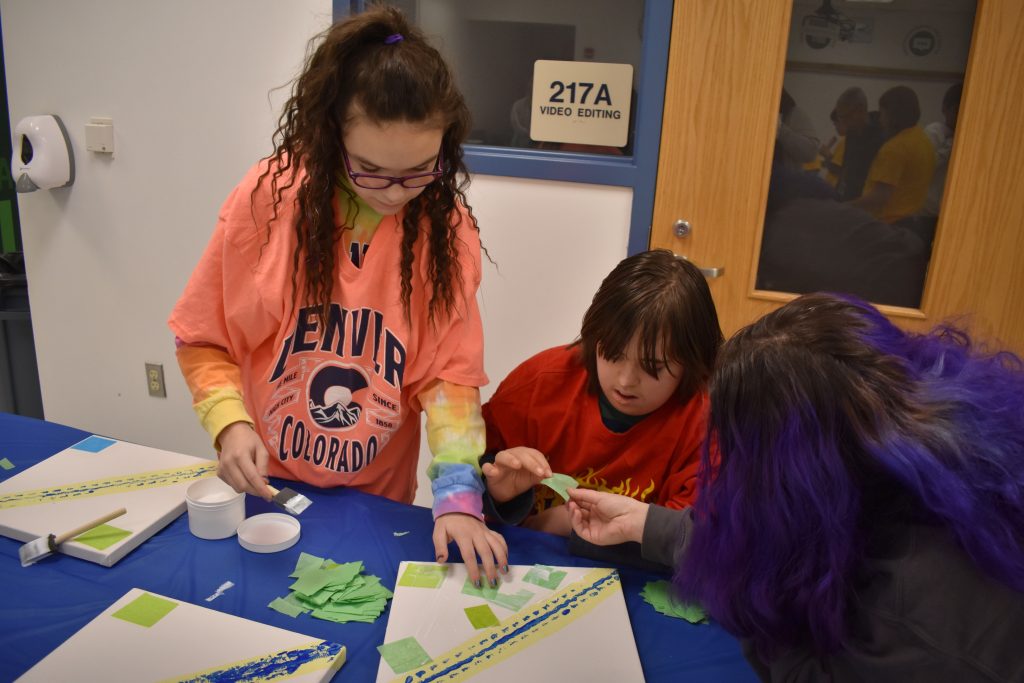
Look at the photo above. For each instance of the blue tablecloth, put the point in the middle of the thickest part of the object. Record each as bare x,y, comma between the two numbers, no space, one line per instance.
46,603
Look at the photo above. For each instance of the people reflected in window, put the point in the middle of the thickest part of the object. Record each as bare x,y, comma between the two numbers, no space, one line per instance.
831,152
812,242
796,136
940,133
901,173
862,139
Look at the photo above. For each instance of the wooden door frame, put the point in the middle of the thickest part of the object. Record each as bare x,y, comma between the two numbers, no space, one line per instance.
981,265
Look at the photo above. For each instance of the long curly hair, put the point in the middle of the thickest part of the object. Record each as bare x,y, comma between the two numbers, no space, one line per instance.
404,81
832,424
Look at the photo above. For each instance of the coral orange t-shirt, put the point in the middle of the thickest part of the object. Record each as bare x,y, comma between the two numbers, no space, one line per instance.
338,408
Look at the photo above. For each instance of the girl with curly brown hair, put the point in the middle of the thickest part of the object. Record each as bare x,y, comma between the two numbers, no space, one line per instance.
336,300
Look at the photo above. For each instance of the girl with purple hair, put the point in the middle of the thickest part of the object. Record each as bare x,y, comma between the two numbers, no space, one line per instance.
865,519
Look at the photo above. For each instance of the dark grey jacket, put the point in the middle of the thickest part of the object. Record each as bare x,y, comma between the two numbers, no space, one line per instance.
923,612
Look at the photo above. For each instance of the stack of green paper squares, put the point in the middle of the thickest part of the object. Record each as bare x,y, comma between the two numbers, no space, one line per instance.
658,595
332,591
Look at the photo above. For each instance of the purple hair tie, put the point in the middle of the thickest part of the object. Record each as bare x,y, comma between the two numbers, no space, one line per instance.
394,38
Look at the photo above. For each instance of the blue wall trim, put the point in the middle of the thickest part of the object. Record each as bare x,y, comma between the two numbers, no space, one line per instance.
650,104
639,172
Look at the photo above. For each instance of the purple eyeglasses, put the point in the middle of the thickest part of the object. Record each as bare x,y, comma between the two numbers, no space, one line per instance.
372,181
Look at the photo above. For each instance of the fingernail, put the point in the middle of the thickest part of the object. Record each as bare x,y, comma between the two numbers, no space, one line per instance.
504,570
440,558
478,583
494,583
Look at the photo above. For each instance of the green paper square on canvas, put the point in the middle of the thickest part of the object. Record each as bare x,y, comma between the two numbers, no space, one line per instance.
403,655
481,616
102,537
423,575
145,610
544,576
512,601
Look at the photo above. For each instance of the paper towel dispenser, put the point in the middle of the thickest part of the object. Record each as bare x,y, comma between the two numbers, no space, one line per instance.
42,155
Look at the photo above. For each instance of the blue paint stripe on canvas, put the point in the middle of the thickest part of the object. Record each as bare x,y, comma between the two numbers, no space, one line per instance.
93,444
275,666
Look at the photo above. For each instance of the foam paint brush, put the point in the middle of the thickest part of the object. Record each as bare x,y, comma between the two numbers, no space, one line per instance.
33,551
289,500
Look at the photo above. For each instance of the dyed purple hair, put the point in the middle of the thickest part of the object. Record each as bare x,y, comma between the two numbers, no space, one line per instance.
825,413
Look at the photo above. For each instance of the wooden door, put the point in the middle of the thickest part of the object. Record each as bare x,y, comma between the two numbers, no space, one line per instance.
726,68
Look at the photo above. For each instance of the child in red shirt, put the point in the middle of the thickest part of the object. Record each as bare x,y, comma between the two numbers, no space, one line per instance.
623,409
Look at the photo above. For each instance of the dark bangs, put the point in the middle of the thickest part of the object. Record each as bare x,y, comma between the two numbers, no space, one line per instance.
662,300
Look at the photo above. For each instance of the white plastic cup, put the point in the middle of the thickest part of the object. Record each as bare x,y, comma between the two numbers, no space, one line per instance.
214,509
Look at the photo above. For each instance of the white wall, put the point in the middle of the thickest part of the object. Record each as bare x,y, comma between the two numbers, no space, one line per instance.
553,243
187,84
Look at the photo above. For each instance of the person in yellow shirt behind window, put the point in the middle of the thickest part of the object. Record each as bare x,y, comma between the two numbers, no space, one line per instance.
899,177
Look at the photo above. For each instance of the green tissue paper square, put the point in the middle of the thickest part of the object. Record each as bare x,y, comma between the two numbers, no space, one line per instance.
544,576
559,483
423,575
658,594
403,655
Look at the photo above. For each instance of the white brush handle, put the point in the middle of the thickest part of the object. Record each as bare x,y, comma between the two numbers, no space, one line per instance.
89,525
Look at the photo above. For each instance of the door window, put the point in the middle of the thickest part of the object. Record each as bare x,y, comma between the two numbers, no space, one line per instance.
865,130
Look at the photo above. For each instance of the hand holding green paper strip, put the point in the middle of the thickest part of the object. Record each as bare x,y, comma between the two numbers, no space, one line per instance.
559,483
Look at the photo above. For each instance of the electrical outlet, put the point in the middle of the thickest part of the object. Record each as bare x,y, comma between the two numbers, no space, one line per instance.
155,380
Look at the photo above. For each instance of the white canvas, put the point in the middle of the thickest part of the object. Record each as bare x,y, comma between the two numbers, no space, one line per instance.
178,647
148,509
594,642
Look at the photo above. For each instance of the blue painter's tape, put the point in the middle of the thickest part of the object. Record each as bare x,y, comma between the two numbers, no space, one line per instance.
93,444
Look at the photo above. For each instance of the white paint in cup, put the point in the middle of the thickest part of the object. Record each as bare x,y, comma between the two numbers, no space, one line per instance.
214,509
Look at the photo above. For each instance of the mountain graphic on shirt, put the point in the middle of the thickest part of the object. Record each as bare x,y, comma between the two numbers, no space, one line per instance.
333,394
336,415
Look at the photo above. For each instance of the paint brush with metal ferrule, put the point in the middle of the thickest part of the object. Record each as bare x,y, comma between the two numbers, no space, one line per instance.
289,500
33,551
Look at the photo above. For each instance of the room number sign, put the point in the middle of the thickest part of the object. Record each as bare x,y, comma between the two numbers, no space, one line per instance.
586,103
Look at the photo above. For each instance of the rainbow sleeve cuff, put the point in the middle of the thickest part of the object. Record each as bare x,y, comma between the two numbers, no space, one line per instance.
457,487
456,434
